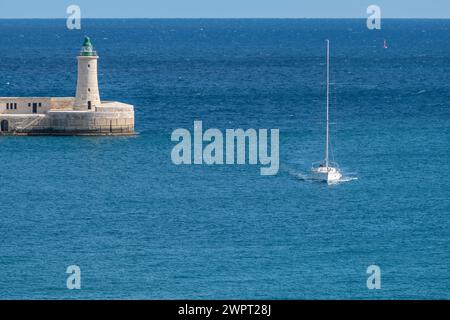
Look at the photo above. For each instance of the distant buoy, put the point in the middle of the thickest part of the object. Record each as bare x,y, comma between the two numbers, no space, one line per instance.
385,44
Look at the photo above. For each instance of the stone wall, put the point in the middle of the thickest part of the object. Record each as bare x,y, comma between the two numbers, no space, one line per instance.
15,123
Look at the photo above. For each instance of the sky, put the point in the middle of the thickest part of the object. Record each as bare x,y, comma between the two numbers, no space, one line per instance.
224,8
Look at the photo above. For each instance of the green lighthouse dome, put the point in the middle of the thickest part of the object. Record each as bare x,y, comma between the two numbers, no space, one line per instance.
88,48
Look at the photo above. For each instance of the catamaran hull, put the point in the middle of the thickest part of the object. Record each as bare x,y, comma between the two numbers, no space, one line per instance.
328,177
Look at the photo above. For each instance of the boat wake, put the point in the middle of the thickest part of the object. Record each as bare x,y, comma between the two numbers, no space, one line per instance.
309,177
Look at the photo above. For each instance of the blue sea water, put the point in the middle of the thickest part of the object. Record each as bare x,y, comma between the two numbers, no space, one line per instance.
140,227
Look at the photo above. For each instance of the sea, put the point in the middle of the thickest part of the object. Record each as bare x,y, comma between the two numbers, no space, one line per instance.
140,227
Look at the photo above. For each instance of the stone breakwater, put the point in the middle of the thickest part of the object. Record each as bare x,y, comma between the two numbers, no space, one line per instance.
111,118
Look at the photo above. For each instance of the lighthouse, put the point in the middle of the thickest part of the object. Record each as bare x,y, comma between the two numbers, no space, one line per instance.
87,96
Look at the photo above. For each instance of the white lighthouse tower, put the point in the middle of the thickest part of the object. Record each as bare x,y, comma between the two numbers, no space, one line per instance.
87,97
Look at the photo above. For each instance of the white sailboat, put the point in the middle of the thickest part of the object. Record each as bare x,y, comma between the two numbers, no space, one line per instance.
326,170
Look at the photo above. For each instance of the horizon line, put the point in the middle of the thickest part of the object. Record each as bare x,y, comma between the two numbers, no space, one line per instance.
223,18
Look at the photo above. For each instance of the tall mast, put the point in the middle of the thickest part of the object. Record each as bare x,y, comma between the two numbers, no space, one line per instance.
328,103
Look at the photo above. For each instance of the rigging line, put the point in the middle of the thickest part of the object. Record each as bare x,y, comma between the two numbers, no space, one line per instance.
333,104
334,112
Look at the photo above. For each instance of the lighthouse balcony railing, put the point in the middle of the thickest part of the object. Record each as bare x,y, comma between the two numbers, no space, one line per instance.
88,53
